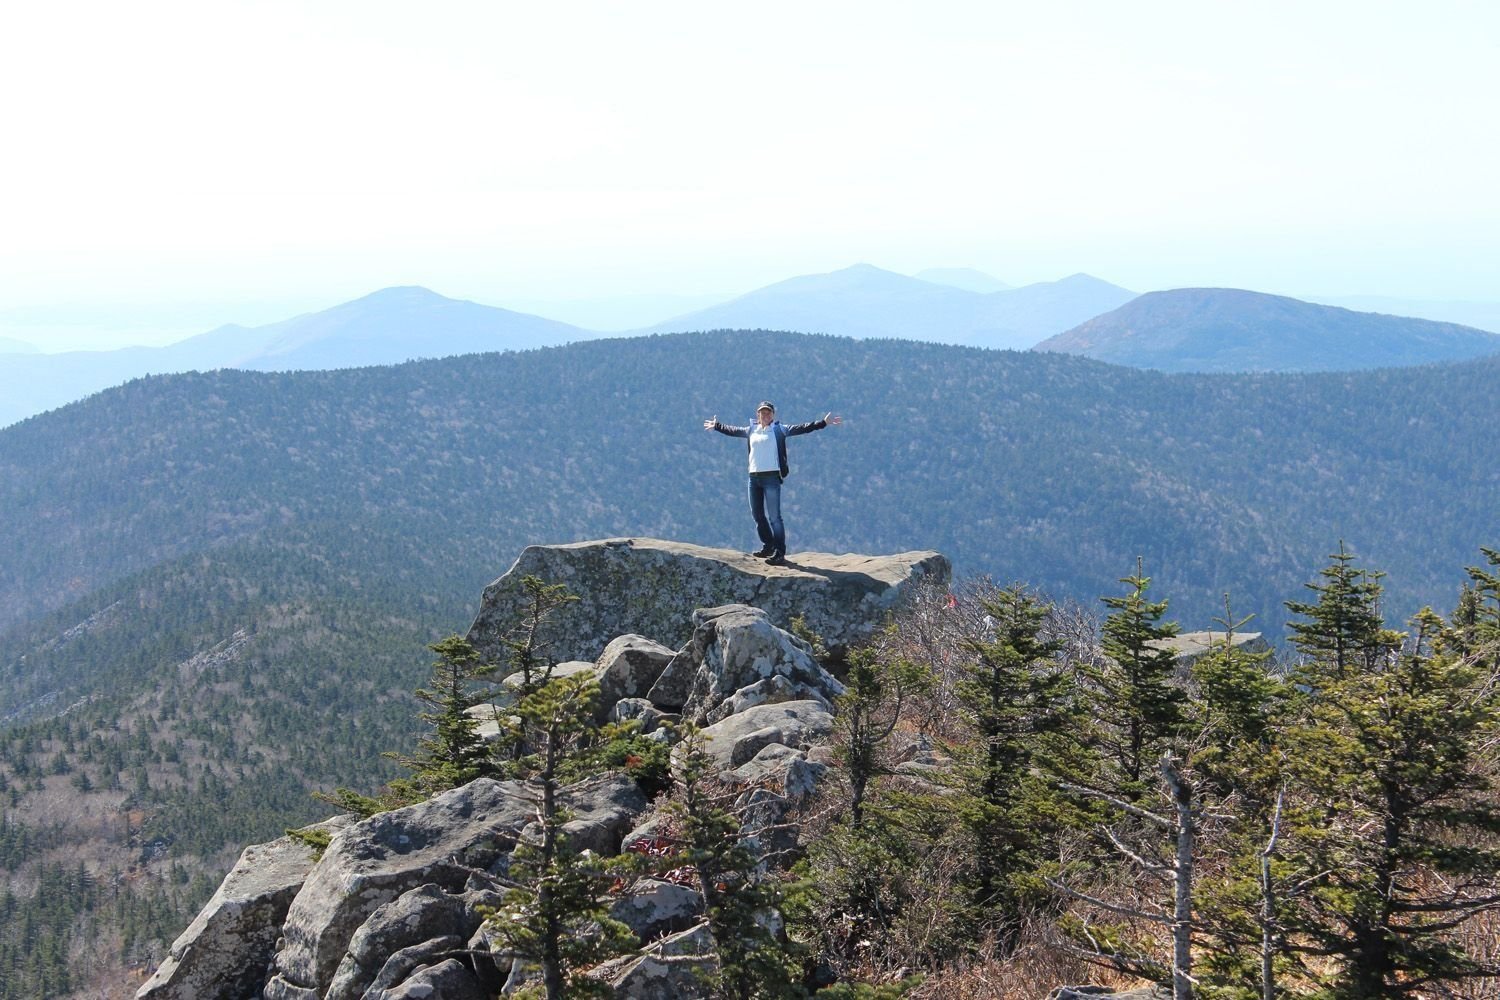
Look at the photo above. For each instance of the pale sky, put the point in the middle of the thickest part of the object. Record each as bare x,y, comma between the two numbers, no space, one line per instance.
205,155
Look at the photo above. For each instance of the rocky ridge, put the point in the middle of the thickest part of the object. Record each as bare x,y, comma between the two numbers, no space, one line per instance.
396,905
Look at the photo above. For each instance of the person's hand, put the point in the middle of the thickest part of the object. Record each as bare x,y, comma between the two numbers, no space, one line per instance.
711,422
832,418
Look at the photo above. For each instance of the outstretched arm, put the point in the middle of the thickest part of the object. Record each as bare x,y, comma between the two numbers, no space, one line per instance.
712,424
814,425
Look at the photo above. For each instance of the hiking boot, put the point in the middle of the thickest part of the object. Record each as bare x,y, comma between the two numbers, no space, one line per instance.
763,552
776,559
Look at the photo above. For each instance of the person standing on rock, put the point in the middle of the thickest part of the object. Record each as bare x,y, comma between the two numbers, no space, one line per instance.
766,442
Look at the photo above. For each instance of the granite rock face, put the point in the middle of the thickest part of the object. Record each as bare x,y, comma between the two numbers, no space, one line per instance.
447,980
436,842
653,907
740,738
644,586
423,914
628,667
224,952
395,906
737,659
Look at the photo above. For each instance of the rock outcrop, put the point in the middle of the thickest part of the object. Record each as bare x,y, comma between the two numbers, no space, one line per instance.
436,843
644,585
738,659
396,906
224,952
671,969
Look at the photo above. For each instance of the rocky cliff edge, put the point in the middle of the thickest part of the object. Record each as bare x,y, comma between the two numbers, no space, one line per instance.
646,586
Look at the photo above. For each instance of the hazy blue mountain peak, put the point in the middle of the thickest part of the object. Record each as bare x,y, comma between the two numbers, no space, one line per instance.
1237,330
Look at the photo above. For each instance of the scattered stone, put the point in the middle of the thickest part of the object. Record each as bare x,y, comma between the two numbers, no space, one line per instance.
1191,645
646,833
603,810
490,715
648,715
780,768
448,980
400,964
568,668
672,969
439,841
628,667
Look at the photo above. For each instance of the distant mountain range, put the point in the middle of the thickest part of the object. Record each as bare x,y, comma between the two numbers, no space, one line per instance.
386,327
865,301
401,324
1231,330
1183,330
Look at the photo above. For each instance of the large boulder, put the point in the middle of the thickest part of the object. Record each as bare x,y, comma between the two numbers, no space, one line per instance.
628,667
653,907
447,980
737,659
423,914
782,769
740,738
674,968
438,842
225,950
643,585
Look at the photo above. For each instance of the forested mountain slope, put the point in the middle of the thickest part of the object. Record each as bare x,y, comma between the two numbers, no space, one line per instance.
1041,467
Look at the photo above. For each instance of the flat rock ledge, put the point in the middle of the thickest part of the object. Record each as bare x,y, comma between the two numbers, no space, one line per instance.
643,585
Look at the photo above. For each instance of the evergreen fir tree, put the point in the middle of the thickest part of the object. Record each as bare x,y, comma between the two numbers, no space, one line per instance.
740,902
861,875
1014,696
526,647
1476,621
1242,708
553,915
875,694
1395,750
1345,629
453,753
1138,705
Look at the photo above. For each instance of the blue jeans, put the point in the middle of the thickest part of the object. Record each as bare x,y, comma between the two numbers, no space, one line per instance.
765,504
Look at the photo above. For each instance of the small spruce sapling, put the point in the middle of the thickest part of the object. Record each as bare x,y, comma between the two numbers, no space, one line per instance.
552,913
740,901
